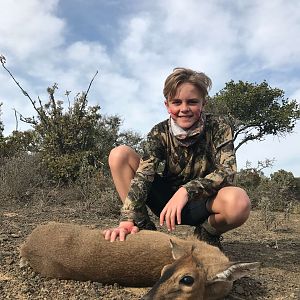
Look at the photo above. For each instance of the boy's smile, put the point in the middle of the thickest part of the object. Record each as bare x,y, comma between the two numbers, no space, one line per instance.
186,106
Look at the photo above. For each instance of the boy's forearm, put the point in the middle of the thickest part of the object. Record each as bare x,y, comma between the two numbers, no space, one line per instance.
133,212
209,185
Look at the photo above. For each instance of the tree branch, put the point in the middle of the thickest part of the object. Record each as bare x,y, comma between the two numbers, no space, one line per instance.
17,83
87,91
252,137
17,124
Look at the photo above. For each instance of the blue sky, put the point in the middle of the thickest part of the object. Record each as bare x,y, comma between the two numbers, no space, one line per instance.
135,44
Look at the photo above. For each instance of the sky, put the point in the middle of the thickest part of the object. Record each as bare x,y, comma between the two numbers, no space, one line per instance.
135,44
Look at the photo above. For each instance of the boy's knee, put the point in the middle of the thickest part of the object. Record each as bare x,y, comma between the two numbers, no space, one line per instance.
242,206
235,196
117,155
123,155
243,202
236,203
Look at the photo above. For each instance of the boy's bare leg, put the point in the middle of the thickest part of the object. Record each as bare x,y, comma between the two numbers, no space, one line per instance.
123,162
230,208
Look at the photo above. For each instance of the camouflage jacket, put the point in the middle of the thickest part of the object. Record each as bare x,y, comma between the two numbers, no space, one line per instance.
202,168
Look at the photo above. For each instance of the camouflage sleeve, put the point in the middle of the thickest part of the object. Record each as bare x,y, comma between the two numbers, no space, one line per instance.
134,207
223,155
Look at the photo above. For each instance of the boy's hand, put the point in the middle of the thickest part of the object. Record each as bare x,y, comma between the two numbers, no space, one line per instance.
172,210
126,227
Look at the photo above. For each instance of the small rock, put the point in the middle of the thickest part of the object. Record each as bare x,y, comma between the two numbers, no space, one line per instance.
10,261
15,235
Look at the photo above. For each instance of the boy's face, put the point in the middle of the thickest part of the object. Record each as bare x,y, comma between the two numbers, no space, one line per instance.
186,107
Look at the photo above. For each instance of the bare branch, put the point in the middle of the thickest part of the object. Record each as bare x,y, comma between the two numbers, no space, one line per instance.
85,94
24,119
267,163
67,93
87,91
17,124
28,120
2,59
248,126
251,137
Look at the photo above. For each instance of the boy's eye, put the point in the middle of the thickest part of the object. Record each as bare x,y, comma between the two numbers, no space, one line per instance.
194,101
191,102
176,102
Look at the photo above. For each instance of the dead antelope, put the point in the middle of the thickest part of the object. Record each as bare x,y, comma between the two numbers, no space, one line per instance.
189,279
69,251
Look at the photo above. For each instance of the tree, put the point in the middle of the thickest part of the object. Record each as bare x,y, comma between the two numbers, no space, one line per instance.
251,178
17,142
286,184
278,193
297,180
255,110
73,138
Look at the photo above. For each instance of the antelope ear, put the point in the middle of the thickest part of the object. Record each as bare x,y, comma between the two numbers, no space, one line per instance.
164,269
178,251
234,272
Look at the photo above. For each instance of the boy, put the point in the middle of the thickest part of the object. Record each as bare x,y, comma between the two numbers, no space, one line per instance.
195,187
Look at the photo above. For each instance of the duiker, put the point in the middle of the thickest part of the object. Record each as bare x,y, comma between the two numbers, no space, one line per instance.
189,279
70,251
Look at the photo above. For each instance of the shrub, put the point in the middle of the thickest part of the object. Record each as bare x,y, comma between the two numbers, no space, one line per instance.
97,190
20,176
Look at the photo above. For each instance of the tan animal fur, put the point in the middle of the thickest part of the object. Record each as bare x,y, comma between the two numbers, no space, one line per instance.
69,251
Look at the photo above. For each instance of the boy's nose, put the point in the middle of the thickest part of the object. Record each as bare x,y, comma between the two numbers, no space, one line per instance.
185,107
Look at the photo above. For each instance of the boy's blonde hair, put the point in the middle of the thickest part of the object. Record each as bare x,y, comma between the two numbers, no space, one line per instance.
183,75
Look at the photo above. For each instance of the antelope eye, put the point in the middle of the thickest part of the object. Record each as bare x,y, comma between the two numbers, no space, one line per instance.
187,280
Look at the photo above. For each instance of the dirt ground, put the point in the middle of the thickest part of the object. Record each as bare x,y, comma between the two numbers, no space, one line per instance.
278,250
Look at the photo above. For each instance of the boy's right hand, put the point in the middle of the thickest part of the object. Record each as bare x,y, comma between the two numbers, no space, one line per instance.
125,228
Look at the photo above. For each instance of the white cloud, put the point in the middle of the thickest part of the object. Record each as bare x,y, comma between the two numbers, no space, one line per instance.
30,28
223,40
72,67
270,32
86,55
134,43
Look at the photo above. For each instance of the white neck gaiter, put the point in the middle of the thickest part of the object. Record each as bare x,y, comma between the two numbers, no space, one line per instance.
187,137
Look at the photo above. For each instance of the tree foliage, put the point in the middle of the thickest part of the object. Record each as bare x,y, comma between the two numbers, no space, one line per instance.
75,138
251,178
277,192
255,110
285,186
18,142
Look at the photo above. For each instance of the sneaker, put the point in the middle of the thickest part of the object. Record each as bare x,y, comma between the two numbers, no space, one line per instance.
203,235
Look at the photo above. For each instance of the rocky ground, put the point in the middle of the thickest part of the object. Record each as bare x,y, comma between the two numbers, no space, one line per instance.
278,250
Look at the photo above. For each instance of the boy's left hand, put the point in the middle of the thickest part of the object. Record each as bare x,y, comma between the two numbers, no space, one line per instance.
172,210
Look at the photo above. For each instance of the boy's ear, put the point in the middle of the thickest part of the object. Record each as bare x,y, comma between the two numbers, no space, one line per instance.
167,105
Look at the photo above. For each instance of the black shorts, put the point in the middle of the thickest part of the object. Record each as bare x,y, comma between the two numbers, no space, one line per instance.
194,213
